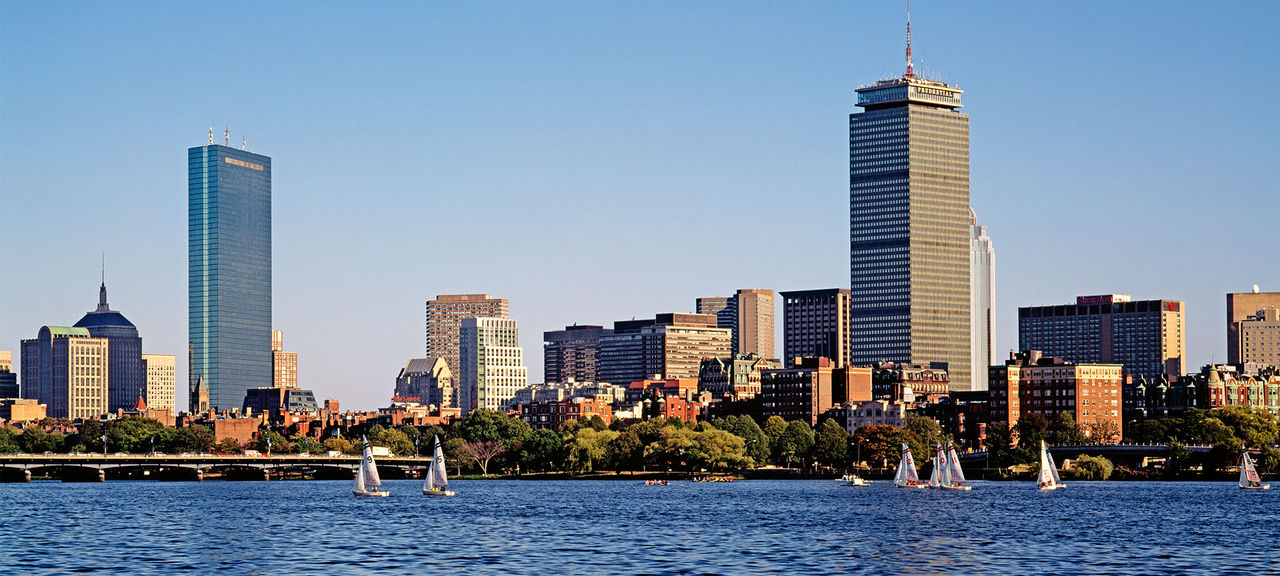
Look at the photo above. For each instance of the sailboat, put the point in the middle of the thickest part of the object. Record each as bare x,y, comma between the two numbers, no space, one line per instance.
367,481
1249,479
954,476
906,476
1048,478
940,475
437,482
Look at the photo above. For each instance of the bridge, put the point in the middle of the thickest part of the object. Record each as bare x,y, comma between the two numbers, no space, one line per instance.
91,467
1126,452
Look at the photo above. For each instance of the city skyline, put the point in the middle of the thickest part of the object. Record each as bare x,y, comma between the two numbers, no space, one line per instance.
375,211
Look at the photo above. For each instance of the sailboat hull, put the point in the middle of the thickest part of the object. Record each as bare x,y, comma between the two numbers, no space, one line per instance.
437,493
1053,487
957,488
920,486
367,494
1262,487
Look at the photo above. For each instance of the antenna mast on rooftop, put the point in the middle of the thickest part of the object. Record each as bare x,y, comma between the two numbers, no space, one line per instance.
910,70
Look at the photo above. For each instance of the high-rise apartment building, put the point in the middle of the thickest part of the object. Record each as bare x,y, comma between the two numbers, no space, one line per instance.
749,314
162,386
284,365
1260,338
229,273
816,325
128,379
676,344
1241,306
67,370
982,299
909,224
1147,337
444,322
572,353
492,364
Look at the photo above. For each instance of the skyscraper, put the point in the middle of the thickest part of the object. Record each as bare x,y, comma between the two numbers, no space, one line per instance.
909,224
1147,337
982,299
1240,307
128,379
229,273
284,365
161,392
67,370
444,321
492,364
816,325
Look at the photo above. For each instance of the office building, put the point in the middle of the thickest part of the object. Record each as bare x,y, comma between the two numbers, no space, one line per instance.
128,376
284,365
982,299
162,387
749,314
492,364
620,358
1259,340
8,378
229,274
1030,383
444,322
426,381
572,353
909,235
674,346
816,325
552,414
1241,306
68,371
1147,337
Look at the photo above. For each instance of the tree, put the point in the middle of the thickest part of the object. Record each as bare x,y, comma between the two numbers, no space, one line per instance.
881,444
1093,467
338,445
482,452
588,447
745,427
193,438
305,444
773,429
1104,431
490,426
999,443
795,442
922,435
671,447
541,450
831,443
719,450
625,452
595,421
227,445
132,434
9,440
1031,431
1063,429
270,441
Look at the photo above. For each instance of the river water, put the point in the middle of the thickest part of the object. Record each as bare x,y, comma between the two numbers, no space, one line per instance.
619,527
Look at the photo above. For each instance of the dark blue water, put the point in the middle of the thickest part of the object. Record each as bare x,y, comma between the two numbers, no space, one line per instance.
543,527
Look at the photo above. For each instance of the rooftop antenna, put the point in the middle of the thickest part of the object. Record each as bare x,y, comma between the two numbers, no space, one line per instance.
243,144
211,135
910,70
226,134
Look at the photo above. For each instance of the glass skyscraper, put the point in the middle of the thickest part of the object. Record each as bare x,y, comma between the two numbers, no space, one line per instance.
909,225
229,274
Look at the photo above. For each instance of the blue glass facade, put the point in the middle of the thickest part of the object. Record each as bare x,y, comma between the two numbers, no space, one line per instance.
229,273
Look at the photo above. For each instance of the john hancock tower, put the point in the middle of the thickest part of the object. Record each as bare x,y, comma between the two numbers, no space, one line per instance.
909,224
229,274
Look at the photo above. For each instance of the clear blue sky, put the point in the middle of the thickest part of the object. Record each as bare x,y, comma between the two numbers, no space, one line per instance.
597,161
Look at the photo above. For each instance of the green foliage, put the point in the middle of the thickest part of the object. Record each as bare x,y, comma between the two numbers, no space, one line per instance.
194,438
1063,430
1093,467
587,448
541,450
745,427
922,435
277,444
305,444
132,434
338,445
9,440
596,422
625,452
393,439
773,429
881,445
719,450
999,443
227,445
795,443
831,443
670,448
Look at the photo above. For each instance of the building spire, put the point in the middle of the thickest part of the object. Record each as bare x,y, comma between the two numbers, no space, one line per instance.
102,290
910,70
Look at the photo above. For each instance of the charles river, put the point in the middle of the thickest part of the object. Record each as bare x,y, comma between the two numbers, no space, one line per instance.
620,527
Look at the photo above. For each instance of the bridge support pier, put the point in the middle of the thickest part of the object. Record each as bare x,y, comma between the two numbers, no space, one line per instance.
26,475
102,475
266,475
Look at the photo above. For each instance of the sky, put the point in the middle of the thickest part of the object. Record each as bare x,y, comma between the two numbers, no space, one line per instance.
599,161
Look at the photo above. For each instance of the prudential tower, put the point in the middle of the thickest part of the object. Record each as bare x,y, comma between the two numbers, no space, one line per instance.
909,224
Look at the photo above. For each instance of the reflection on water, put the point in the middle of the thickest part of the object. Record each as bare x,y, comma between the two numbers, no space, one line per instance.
756,527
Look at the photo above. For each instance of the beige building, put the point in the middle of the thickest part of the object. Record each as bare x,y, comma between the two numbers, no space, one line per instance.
77,368
6,361
1240,307
492,364
426,381
161,390
1260,338
749,314
675,346
444,322
284,365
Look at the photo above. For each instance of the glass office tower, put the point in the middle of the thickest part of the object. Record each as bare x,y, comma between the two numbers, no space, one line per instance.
229,274
909,226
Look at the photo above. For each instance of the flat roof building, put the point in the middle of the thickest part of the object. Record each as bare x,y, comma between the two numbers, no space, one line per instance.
816,325
1029,383
1241,306
1148,337
444,322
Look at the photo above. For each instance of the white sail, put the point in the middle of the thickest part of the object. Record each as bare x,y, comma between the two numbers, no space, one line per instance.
368,470
906,474
1048,477
1248,472
953,464
360,478
439,470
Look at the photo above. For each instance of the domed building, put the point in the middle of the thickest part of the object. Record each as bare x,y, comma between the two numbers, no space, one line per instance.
127,375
